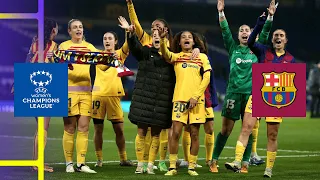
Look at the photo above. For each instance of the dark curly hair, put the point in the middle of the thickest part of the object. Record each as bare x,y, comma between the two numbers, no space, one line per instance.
176,47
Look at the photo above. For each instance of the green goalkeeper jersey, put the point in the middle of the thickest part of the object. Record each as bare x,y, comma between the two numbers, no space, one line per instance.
240,60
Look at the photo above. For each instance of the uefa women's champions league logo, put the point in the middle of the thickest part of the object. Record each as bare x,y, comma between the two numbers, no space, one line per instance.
41,79
41,99
41,89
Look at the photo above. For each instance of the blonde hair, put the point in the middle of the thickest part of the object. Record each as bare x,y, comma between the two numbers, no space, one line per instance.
74,20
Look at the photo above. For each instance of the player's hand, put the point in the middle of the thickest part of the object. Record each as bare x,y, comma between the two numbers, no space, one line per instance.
115,55
192,103
272,8
162,32
132,28
262,19
123,23
50,55
220,5
195,53
129,1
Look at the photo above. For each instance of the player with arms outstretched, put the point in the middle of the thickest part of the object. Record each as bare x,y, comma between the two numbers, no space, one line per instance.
238,92
240,152
79,101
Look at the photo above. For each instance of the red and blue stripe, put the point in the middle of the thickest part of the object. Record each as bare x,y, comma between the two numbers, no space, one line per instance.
270,97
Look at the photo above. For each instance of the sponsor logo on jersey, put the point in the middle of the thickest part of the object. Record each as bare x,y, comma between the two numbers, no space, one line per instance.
239,60
185,65
278,89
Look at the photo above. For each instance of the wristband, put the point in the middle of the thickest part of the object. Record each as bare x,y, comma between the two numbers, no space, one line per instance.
221,14
270,18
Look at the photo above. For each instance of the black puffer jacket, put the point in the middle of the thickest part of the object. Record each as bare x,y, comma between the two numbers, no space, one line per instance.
153,92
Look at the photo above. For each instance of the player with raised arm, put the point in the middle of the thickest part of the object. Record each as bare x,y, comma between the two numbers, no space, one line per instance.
188,98
245,133
146,39
151,104
80,82
276,53
108,90
238,92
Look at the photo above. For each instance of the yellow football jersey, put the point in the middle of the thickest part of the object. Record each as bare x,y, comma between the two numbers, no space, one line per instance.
79,78
143,36
50,48
107,82
188,77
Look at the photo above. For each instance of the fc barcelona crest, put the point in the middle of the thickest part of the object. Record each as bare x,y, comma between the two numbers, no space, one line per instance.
278,89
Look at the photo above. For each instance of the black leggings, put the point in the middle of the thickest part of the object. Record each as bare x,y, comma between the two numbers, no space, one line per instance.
92,74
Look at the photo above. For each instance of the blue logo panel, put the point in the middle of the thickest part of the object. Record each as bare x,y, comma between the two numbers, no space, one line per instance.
40,89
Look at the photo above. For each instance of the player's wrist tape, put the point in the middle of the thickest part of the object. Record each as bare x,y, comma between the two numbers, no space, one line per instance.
270,18
221,14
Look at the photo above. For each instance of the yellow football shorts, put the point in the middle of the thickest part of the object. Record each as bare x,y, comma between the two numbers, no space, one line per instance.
79,104
274,119
181,113
209,112
107,105
268,119
248,108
